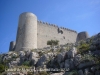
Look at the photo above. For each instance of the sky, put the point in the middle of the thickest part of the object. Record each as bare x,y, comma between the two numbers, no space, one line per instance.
79,15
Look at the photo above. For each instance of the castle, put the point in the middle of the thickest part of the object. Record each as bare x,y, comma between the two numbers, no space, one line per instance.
33,34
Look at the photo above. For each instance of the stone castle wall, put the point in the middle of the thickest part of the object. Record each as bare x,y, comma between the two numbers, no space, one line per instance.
47,32
33,34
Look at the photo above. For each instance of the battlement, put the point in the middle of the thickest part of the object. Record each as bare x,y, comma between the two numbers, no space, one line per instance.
54,25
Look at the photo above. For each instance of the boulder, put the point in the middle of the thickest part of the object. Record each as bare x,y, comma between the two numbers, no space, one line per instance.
59,58
86,64
14,55
14,63
62,65
6,58
34,57
33,54
42,60
71,53
67,64
21,53
72,63
34,60
28,52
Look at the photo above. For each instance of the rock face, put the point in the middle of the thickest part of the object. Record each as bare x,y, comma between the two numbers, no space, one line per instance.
71,53
82,65
80,72
60,58
42,60
34,57
21,53
66,57
67,64
77,59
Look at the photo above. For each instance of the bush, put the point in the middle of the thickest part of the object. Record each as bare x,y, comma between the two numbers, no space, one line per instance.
26,63
2,68
83,47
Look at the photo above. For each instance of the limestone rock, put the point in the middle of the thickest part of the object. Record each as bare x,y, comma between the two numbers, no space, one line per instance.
42,60
14,63
34,60
62,65
80,72
67,64
21,53
33,54
77,59
71,53
72,63
28,52
86,64
14,54
59,58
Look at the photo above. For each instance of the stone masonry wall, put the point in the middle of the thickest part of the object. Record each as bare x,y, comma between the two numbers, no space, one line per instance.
47,32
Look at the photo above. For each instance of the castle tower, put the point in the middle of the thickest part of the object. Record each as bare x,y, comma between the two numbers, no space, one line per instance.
27,32
82,36
12,46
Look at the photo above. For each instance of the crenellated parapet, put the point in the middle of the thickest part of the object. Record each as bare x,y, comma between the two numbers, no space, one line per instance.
54,25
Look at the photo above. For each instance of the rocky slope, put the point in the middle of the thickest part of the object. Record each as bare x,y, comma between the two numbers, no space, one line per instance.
82,58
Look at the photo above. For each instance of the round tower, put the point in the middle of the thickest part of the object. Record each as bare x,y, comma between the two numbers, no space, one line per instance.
82,36
12,45
27,32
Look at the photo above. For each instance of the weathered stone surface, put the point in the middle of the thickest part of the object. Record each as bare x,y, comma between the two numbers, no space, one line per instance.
80,72
77,59
62,65
97,72
42,60
14,54
86,71
14,63
34,60
67,64
59,58
86,64
34,54
72,64
21,53
71,53
6,58
28,52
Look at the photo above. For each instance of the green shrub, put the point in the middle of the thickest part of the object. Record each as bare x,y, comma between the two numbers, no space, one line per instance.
83,47
2,68
26,63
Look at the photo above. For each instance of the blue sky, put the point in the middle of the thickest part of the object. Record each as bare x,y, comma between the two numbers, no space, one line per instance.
79,15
